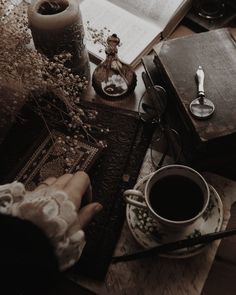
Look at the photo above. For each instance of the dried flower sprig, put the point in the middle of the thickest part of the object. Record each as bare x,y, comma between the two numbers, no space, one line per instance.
26,74
98,36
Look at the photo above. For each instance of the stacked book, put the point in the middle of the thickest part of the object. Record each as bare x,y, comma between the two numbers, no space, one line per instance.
212,142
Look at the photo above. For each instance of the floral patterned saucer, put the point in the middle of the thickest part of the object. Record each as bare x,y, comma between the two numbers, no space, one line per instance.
148,233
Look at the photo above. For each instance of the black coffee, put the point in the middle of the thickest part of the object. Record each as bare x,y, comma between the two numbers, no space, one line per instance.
176,198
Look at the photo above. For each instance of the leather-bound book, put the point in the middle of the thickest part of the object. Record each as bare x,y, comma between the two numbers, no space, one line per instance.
214,139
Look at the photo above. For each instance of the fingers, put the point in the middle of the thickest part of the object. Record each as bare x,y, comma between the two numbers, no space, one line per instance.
58,183
77,186
62,181
87,213
47,182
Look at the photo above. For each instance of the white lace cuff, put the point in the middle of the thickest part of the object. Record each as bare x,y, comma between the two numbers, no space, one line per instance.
53,212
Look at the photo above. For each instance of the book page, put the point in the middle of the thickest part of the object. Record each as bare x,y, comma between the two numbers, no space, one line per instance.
159,11
135,33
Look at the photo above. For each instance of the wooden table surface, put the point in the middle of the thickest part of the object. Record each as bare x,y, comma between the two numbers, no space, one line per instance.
160,275
201,274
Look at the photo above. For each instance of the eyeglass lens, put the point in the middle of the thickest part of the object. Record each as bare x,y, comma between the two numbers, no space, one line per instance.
166,144
166,147
153,104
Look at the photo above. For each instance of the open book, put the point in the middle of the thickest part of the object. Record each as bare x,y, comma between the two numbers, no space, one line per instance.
139,24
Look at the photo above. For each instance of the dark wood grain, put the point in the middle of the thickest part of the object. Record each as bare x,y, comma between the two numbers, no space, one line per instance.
222,276
160,275
142,278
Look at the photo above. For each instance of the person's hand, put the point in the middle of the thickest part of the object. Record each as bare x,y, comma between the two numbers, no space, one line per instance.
57,215
76,186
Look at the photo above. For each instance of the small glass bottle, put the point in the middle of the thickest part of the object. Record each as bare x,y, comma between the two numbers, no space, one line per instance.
113,79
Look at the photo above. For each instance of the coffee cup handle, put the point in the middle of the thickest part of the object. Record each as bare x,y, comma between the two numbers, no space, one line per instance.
133,192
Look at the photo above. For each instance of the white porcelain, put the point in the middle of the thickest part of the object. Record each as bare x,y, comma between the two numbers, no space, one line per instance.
149,233
180,170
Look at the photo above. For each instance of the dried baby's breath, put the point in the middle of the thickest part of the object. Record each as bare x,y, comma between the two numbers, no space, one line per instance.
98,36
26,74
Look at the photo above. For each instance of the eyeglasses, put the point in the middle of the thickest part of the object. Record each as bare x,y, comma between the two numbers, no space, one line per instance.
166,143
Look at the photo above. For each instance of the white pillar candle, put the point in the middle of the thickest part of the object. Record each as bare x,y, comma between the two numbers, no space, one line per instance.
57,27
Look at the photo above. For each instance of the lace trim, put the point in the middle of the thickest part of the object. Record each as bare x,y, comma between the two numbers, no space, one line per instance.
53,212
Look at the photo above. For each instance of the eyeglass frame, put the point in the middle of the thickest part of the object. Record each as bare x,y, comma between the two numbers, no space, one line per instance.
163,127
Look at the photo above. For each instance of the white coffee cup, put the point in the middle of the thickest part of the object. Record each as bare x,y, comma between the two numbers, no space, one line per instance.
175,195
